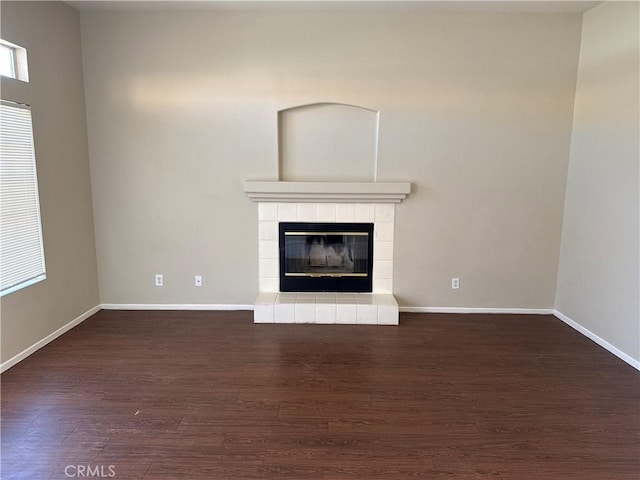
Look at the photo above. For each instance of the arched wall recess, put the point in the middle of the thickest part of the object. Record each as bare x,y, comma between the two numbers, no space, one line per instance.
329,142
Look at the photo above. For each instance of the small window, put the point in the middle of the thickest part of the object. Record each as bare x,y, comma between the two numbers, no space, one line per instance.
21,247
13,61
8,59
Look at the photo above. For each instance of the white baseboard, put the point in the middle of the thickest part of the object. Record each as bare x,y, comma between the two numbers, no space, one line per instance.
174,306
600,341
518,311
233,307
49,338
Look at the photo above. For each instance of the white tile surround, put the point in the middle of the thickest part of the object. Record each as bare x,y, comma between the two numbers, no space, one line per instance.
328,203
382,216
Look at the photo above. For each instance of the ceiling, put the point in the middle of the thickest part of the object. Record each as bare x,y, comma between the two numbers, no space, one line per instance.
410,6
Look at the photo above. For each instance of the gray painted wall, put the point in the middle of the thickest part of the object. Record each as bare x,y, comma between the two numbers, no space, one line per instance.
475,110
50,31
598,279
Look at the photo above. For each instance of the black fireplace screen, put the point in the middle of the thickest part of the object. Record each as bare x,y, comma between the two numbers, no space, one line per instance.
326,257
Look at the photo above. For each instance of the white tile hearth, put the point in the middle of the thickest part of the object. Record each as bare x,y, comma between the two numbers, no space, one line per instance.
326,311
326,308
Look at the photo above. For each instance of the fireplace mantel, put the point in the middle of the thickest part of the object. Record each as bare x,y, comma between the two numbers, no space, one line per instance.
332,192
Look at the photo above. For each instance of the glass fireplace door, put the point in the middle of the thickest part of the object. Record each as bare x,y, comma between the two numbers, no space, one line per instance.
326,257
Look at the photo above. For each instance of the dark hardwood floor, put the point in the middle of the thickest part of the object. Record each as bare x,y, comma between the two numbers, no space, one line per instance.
210,395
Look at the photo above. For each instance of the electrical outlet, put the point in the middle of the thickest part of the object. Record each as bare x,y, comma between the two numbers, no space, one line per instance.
198,281
455,283
159,280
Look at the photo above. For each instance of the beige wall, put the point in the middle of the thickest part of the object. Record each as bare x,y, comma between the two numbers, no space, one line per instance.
598,280
475,110
50,31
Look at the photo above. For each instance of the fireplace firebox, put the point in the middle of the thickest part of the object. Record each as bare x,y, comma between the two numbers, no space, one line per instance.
326,257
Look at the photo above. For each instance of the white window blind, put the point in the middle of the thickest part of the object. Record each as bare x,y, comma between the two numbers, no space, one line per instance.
21,250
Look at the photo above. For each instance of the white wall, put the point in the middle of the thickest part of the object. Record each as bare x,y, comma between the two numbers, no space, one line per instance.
598,279
475,110
50,31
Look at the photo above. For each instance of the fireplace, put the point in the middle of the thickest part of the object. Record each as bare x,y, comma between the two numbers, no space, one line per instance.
325,251
326,257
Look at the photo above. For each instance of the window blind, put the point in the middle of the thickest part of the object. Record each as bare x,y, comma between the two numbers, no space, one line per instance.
21,249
